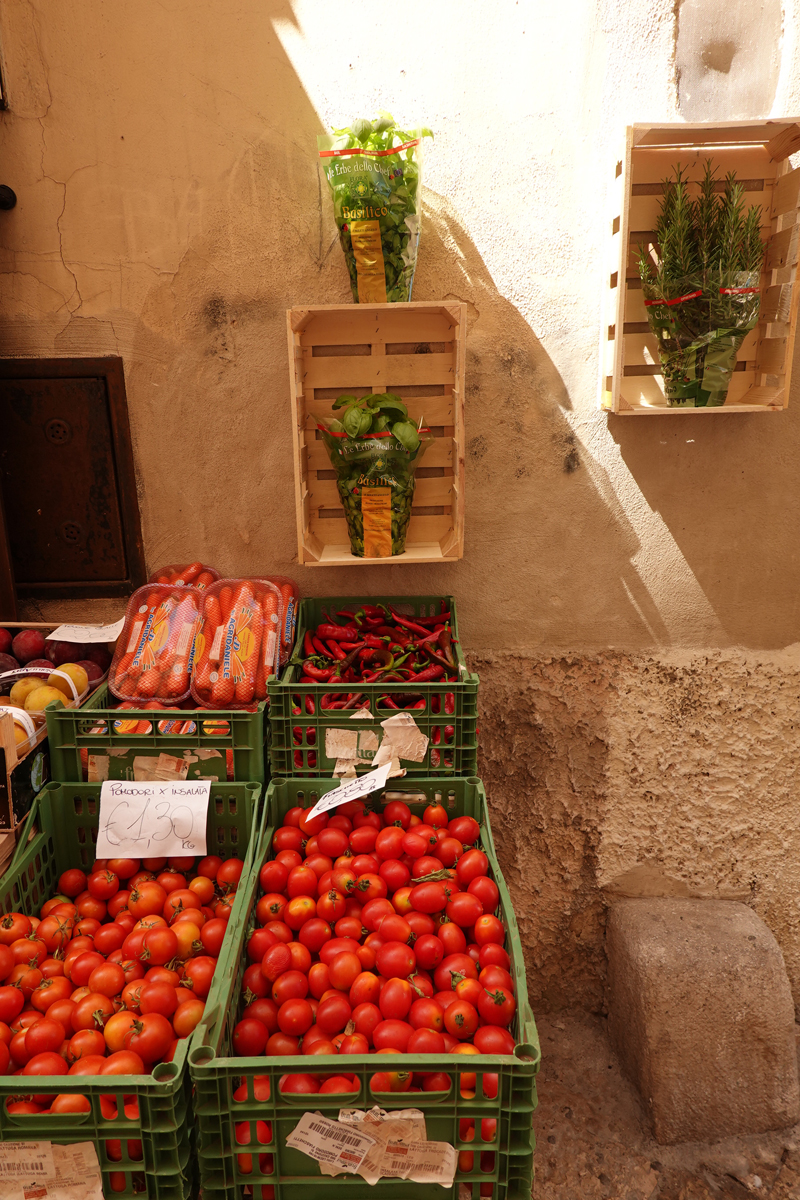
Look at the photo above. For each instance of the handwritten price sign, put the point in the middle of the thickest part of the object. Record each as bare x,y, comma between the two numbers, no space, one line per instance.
152,820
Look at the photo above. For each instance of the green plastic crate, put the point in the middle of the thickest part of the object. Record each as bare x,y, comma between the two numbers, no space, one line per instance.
297,742
216,1075
92,728
65,818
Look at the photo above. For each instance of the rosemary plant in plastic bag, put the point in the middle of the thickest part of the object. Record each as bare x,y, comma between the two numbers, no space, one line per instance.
702,290
375,451
375,171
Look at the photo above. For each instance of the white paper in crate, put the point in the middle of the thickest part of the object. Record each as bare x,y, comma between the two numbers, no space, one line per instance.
44,1171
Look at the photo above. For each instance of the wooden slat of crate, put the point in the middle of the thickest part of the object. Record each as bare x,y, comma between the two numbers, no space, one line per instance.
415,349
757,152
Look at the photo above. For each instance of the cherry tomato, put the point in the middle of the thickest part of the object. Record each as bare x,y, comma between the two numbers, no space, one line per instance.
364,864
466,829
369,886
397,812
288,837
487,892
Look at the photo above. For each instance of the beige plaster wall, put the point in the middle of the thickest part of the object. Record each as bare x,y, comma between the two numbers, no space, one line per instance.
170,210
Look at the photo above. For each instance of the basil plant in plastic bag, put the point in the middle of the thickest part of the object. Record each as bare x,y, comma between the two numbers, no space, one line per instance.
701,286
375,450
374,171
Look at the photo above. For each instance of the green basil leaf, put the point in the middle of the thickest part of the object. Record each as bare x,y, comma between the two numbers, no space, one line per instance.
366,422
406,434
340,401
352,421
335,426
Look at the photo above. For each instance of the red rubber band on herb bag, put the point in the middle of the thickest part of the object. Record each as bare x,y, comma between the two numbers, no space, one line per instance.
738,291
678,300
369,153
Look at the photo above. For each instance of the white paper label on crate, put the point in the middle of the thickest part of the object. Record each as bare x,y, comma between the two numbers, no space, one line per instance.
152,819
76,1176
362,714
86,633
329,1143
27,1161
371,782
408,740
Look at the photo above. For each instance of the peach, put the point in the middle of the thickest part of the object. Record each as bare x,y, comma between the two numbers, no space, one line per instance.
27,645
38,700
75,673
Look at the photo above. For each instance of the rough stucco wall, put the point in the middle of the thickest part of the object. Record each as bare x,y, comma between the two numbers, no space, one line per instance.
170,210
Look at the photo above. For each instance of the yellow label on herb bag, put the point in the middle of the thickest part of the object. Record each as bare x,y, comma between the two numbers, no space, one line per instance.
365,237
376,510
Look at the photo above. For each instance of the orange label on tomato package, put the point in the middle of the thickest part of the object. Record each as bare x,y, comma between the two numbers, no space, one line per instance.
365,237
376,510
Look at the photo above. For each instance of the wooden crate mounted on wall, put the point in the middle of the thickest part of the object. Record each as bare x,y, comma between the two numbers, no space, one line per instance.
416,350
758,151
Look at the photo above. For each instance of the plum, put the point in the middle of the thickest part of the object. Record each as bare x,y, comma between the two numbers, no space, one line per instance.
28,644
91,668
43,663
8,663
64,652
97,653
5,641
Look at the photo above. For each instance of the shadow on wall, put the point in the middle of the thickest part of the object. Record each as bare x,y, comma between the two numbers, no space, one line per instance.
722,485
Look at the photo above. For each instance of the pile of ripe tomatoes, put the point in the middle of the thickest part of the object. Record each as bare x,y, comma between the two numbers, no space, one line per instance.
113,972
376,933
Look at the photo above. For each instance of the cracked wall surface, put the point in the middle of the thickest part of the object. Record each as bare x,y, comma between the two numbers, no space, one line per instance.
626,584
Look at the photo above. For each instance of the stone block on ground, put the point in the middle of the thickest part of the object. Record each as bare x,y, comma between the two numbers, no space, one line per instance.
702,1018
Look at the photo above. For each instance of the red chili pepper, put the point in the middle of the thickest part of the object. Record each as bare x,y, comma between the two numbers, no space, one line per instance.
449,703
334,649
439,619
429,674
340,633
316,673
420,704
406,624
308,645
320,647
348,646
437,658
377,643
310,706
389,702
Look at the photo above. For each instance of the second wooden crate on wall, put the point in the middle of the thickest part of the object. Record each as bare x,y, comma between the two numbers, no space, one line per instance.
416,350
758,151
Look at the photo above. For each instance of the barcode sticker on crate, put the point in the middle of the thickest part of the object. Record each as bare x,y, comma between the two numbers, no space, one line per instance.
332,1145
401,1149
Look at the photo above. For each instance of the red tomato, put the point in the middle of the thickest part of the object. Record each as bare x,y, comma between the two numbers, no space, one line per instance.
92,1012
366,1018
83,1043
375,909
332,842
397,812
370,886
48,1063
425,1041
49,991
365,989
449,851
343,880
364,864
272,877
331,906
270,907
150,1037
461,1019
427,1014
46,1035
333,1014
320,864
337,946
291,985
367,818
354,1043
469,989
389,843
452,938
299,910
429,951
187,1016
108,979
470,866
394,874
295,1017
392,1034
158,997
429,897
289,858
466,829
199,972
312,825
212,935
72,882
80,968
302,882
396,998
362,840
343,970
277,959
109,938
454,968
437,1082
299,1084
339,1084
487,892
318,979
492,1039
282,1044
348,927
396,959
488,928
146,900
118,904
393,928
12,1002
314,933
497,1007
264,1010
259,943
124,1062
59,1010
435,815
103,885
493,955
464,910
288,837
249,1038
493,976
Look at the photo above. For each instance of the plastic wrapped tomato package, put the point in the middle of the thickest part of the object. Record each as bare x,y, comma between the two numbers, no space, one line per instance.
238,644
195,574
290,598
153,657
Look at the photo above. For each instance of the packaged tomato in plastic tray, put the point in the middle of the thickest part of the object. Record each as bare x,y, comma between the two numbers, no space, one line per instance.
238,645
153,658
195,574
290,597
